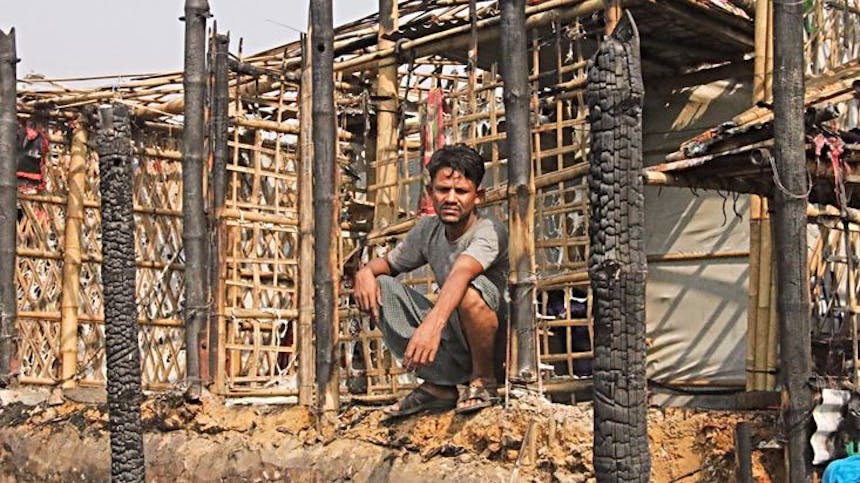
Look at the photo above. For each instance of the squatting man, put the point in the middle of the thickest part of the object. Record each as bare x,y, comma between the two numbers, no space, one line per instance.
457,340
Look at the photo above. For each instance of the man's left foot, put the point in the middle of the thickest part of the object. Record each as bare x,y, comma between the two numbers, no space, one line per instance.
479,394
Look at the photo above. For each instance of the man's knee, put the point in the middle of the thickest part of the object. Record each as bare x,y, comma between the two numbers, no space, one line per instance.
474,307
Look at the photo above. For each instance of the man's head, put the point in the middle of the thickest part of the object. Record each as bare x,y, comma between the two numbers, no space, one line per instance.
455,177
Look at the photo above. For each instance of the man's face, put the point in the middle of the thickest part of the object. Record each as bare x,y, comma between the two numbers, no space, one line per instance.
454,196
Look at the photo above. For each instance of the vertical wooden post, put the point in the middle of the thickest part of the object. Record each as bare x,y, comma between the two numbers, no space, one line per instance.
617,265
8,201
120,298
76,180
521,189
386,121
613,15
193,211
326,231
307,374
220,158
790,203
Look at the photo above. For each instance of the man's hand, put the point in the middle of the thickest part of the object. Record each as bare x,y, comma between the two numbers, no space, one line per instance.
367,293
424,344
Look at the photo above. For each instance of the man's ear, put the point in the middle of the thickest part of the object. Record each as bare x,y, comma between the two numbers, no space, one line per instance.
480,195
429,189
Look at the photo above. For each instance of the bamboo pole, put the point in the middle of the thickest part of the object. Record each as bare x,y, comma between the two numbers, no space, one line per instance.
790,236
386,121
76,180
763,304
521,188
8,201
220,159
306,234
325,210
752,291
193,211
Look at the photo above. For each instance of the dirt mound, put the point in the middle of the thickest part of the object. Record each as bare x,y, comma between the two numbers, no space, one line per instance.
537,440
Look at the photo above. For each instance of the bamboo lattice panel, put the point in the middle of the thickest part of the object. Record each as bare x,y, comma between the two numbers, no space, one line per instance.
259,269
41,231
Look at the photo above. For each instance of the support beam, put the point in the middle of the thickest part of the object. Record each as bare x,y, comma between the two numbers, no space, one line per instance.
8,201
521,188
76,181
220,159
326,233
387,128
307,373
193,212
790,235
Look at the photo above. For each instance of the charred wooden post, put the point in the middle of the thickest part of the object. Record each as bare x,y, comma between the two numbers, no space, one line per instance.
193,211
521,189
76,180
617,263
790,200
220,158
387,129
307,374
8,201
325,206
120,304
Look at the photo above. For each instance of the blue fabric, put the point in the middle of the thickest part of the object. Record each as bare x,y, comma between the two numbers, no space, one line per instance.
846,470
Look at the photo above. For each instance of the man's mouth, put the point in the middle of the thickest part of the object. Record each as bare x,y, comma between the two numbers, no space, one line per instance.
449,210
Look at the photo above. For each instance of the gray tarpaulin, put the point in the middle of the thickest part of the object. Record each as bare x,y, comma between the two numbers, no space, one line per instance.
696,310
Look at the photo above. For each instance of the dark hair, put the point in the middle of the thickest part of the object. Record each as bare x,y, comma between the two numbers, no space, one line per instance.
460,158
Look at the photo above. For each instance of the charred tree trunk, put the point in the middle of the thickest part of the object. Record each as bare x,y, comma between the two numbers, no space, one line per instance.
325,206
8,201
790,200
193,211
617,264
120,305
520,186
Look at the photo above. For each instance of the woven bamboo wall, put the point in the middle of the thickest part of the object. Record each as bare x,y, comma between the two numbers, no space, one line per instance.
41,238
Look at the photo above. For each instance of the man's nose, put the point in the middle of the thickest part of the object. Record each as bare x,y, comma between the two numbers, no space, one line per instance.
450,197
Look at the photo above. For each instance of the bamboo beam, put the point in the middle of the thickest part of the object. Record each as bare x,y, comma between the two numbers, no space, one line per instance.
220,159
790,236
193,211
521,188
387,128
8,201
537,15
325,174
306,233
76,180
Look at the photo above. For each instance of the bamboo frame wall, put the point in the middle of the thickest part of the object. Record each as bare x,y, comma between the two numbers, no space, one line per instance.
42,255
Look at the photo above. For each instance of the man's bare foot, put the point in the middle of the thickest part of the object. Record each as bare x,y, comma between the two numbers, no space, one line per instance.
426,396
480,393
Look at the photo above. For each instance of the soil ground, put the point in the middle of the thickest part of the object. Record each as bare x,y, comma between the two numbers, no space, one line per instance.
533,440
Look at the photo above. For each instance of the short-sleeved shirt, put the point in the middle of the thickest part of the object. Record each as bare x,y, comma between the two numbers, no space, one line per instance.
486,241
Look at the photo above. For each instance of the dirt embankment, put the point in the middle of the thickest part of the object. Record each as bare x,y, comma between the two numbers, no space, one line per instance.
532,440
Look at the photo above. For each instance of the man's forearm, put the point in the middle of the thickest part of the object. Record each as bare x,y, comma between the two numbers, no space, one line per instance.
379,266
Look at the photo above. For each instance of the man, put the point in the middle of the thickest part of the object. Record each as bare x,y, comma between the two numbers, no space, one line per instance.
454,341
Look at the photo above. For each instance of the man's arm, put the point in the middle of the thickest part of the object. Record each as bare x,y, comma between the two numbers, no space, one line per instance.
424,344
366,290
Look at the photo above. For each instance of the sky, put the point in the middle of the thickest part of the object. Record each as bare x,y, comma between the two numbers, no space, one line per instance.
63,38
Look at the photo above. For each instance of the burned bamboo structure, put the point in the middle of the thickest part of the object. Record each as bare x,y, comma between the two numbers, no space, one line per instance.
520,187
8,201
617,263
326,225
118,275
790,202
194,232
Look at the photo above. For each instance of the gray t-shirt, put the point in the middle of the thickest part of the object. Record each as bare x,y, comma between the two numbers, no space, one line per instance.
486,241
